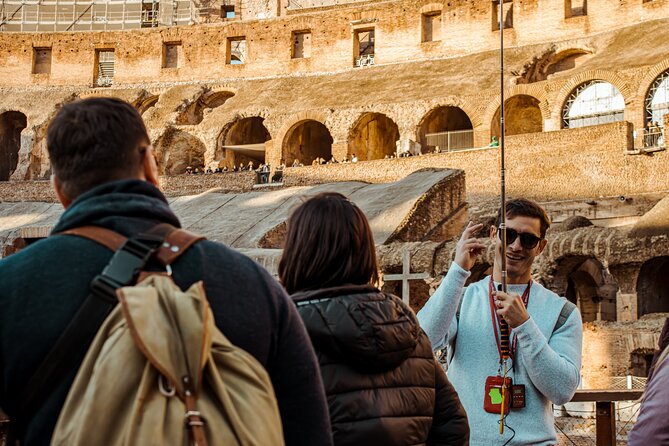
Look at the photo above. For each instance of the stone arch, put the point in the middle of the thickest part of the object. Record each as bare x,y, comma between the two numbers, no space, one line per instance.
586,282
533,90
12,124
522,115
175,150
563,94
246,135
652,286
450,120
305,141
551,62
651,74
193,113
373,136
146,104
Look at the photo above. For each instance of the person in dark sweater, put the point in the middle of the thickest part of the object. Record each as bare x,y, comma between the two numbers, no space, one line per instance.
105,175
383,385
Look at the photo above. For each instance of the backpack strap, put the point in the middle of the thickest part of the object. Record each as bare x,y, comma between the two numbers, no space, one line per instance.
177,241
130,256
566,311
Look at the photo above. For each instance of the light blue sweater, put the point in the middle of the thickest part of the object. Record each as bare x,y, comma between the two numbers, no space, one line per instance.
548,363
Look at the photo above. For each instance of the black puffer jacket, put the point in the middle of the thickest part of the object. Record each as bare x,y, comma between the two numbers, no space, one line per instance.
383,384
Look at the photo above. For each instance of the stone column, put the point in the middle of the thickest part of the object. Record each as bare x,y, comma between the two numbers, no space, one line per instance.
626,299
339,150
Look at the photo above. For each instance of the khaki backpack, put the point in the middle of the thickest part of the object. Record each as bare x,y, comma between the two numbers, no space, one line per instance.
159,371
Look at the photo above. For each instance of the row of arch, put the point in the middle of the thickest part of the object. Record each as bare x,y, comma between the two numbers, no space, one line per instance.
374,135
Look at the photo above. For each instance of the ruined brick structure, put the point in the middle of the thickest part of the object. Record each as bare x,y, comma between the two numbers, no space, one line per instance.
261,81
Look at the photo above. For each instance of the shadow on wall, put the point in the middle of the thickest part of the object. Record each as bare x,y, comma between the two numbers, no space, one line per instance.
176,150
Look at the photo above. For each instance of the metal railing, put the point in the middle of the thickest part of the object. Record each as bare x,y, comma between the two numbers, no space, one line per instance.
364,60
653,137
450,141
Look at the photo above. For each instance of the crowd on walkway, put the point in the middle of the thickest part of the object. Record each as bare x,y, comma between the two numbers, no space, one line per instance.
122,328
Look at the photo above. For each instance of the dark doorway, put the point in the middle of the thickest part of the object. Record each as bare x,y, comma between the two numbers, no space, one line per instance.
12,124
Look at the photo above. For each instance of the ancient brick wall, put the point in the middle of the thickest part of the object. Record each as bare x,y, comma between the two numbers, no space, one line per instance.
397,26
585,162
609,349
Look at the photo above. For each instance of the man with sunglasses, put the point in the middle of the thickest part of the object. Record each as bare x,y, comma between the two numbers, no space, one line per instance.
545,341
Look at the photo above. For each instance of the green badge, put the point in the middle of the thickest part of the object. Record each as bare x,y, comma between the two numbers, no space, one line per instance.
495,395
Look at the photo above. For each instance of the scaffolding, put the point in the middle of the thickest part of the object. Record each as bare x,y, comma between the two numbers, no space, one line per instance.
79,15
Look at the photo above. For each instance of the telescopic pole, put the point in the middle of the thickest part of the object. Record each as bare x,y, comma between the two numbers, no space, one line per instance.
503,326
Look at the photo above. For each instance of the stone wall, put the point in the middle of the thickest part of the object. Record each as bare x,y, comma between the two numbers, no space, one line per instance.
588,162
608,348
397,25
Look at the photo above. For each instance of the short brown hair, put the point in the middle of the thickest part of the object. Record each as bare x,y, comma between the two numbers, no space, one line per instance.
329,243
522,207
94,141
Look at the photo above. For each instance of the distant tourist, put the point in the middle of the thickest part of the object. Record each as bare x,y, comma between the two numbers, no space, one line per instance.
354,158
333,160
494,142
296,163
315,162
189,170
250,166
383,385
546,355
345,160
235,168
278,173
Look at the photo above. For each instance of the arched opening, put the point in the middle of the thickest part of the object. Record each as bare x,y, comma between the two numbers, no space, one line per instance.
374,136
176,150
146,104
244,141
592,103
521,115
652,286
656,106
306,141
590,286
12,124
446,128
193,113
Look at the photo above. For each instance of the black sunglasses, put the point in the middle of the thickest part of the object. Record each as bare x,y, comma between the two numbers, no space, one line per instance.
527,240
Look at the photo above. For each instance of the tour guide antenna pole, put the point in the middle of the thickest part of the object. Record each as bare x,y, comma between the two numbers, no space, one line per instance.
503,326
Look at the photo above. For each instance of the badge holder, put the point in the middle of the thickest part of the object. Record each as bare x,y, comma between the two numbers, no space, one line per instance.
497,392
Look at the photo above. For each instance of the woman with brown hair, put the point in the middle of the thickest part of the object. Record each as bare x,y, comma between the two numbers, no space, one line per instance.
383,384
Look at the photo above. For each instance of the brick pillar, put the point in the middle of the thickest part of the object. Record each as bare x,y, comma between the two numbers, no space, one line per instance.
339,150
626,298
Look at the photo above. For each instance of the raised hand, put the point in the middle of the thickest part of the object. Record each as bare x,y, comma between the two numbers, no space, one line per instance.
469,247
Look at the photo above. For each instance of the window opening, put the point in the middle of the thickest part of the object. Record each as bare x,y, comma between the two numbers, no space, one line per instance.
301,44
656,106
42,60
364,47
432,27
105,68
592,103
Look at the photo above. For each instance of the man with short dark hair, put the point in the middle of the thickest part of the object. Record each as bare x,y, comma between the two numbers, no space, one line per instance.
105,175
545,340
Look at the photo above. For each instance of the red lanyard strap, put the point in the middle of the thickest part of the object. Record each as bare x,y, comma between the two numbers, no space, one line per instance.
496,319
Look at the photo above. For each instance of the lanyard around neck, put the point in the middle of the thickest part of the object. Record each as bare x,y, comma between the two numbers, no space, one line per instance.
496,319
